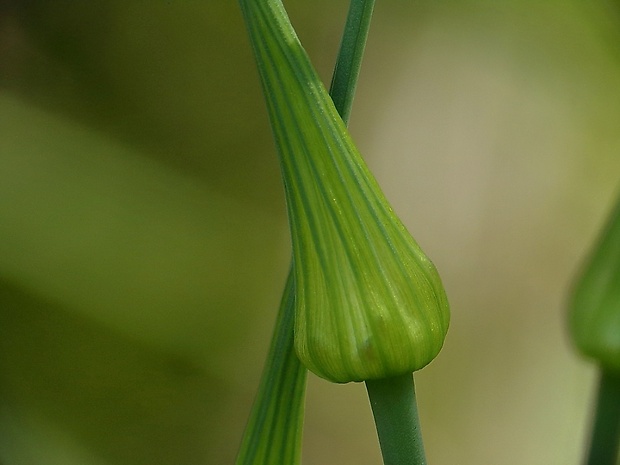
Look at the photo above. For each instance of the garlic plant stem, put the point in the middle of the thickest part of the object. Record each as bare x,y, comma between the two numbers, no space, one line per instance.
394,407
349,62
605,441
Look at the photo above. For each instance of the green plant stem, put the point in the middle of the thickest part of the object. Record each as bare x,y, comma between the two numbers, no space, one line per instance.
348,64
395,411
605,441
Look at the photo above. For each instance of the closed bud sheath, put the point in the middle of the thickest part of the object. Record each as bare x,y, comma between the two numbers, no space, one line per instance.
594,317
369,303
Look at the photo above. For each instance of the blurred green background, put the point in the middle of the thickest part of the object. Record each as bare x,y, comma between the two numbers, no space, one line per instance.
143,236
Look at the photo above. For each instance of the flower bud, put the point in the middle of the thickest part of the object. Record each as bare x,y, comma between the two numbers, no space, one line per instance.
369,303
594,316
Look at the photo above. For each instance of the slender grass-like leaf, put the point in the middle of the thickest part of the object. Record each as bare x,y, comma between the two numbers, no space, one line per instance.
273,433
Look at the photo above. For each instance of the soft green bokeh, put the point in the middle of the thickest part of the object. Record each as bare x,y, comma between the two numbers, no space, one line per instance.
143,241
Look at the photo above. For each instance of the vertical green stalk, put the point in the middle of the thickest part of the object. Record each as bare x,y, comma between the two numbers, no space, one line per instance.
394,408
605,441
349,62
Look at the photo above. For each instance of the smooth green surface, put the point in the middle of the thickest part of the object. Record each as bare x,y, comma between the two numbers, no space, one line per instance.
605,442
394,407
369,303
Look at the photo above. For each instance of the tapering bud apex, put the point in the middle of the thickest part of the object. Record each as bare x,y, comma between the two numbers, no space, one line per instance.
594,317
369,303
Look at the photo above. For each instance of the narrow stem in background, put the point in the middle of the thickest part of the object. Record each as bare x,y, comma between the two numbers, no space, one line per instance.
394,407
605,441
349,61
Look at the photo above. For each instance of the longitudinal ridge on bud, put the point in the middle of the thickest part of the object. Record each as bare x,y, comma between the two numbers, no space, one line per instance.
369,303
